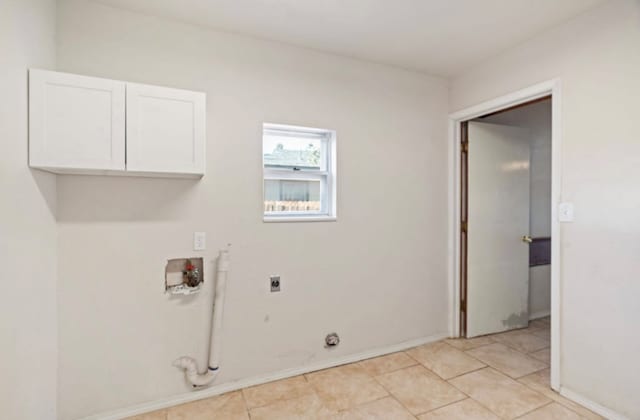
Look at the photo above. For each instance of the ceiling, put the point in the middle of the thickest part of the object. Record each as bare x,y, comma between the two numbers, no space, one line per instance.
440,37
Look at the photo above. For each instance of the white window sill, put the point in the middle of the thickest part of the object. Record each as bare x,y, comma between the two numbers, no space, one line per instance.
289,219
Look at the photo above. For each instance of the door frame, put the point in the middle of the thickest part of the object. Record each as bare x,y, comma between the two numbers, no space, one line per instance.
550,87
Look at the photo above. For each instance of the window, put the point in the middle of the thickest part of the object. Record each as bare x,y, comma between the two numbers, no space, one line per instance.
299,173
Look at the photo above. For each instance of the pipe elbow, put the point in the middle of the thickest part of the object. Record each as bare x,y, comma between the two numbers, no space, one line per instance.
186,363
190,367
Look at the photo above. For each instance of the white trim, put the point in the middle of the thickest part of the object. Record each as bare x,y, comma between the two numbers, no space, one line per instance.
556,254
286,130
525,95
301,175
299,218
592,405
257,380
539,314
521,96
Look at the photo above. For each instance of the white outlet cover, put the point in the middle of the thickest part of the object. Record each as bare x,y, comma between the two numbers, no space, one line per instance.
565,212
199,241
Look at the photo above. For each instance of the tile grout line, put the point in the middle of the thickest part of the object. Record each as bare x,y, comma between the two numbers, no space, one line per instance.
484,406
526,353
391,393
465,352
562,401
246,405
475,400
488,409
315,390
402,405
537,408
533,389
392,370
280,400
447,380
517,351
368,375
471,371
454,348
437,376
527,374
528,387
574,411
446,405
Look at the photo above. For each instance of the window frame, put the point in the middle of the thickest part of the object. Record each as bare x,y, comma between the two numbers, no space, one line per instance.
326,174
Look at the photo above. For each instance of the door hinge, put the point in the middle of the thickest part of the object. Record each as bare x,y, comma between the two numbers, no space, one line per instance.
464,147
463,226
463,306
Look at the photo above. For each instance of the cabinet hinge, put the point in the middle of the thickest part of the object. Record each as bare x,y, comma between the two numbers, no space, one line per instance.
463,226
463,306
464,147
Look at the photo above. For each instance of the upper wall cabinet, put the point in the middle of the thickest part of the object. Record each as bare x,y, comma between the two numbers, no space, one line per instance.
165,130
76,123
88,125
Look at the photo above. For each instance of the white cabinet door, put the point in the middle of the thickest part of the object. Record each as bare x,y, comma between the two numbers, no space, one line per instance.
165,130
76,123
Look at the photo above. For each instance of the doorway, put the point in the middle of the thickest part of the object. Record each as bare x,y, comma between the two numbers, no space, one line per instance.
492,237
505,279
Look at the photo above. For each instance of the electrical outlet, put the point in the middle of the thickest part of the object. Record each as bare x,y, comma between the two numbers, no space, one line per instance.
275,283
199,241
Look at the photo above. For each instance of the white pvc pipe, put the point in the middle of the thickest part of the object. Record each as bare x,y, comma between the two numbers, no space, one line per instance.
189,364
218,311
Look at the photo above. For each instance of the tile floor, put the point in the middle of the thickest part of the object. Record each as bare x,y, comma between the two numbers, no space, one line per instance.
502,376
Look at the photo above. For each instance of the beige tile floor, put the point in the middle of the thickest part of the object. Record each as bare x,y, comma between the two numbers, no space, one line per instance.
502,376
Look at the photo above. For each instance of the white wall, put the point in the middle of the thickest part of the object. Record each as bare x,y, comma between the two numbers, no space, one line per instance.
598,59
27,223
536,118
377,276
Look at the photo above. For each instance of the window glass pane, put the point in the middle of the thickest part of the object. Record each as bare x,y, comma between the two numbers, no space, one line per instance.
283,195
289,152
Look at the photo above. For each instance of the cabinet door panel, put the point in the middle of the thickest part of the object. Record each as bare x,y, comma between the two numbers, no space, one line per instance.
165,130
76,122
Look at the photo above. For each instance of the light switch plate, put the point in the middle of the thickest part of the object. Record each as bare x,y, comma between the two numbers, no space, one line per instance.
199,241
565,212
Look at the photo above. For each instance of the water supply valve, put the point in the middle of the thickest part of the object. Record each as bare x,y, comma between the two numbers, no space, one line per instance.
192,275
184,276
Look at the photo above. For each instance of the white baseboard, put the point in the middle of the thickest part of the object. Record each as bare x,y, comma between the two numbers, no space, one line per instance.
591,405
257,380
539,314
